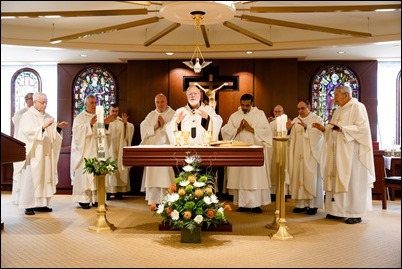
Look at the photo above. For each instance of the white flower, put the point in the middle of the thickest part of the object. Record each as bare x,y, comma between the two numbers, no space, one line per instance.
189,160
199,184
160,209
175,215
184,183
214,199
173,197
221,209
110,168
207,200
198,219
188,168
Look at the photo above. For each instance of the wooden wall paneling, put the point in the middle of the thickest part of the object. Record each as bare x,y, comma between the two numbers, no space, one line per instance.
276,83
177,71
144,79
63,170
229,101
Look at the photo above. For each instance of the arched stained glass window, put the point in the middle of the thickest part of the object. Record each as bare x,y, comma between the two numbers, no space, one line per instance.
24,81
324,82
94,80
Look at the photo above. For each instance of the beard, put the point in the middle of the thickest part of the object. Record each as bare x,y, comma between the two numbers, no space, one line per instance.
194,103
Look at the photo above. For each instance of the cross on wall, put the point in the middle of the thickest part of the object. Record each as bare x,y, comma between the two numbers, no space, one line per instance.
211,83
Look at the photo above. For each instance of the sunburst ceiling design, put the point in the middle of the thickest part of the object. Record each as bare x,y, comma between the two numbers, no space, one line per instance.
153,27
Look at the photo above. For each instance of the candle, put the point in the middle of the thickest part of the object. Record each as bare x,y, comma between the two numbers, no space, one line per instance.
281,125
284,120
99,114
278,123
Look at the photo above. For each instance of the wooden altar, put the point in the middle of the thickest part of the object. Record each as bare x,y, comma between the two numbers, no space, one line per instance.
161,155
12,150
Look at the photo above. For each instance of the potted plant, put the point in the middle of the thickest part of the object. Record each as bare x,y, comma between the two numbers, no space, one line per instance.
191,202
99,167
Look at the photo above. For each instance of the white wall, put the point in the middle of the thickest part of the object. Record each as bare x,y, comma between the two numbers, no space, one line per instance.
48,74
386,109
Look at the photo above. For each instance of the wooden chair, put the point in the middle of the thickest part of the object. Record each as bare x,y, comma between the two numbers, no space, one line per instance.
393,182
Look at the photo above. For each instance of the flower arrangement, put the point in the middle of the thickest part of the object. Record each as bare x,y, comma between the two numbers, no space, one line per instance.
99,167
191,201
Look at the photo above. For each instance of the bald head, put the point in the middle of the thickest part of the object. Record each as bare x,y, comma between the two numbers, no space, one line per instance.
278,110
161,102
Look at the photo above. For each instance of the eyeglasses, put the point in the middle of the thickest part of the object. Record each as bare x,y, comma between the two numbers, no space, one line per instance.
41,102
193,93
301,108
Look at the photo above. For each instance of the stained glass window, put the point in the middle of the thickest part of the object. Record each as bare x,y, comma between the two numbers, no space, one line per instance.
324,82
96,81
25,80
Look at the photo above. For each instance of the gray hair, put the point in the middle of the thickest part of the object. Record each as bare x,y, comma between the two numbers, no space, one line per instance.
29,96
37,94
89,97
344,89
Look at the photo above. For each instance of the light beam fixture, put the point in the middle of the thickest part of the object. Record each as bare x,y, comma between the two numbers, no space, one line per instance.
197,65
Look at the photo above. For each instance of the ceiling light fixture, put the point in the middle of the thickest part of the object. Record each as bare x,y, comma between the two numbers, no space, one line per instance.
197,65
197,17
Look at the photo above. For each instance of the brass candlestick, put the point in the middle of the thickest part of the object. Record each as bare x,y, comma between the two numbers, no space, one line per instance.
101,224
279,221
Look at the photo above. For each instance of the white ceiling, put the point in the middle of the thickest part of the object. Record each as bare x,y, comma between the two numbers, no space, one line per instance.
26,40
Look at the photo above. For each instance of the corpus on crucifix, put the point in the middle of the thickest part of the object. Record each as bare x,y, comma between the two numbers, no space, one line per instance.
211,93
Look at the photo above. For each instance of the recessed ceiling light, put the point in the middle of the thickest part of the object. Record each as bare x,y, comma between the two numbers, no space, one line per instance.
341,52
169,53
84,55
249,52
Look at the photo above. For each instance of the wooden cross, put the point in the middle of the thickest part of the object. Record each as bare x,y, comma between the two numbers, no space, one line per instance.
211,83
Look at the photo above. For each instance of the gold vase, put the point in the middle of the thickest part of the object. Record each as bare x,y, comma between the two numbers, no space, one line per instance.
101,224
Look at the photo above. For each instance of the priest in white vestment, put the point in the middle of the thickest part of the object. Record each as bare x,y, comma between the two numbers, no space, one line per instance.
195,118
42,136
250,186
156,179
274,175
347,159
119,133
16,122
305,147
84,145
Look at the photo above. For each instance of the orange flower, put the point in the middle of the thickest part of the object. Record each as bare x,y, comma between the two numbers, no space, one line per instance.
187,215
153,207
192,179
181,191
228,207
199,193
209,190
172,188
169,211
210,213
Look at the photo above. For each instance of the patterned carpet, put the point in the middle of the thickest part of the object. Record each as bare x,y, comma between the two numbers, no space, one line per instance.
62,239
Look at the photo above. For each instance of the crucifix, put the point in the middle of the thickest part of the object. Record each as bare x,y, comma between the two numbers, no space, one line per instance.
211,84
211,93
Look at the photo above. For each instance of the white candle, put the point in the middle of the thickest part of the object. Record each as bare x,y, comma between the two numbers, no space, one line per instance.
278,123
284,120
99,114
